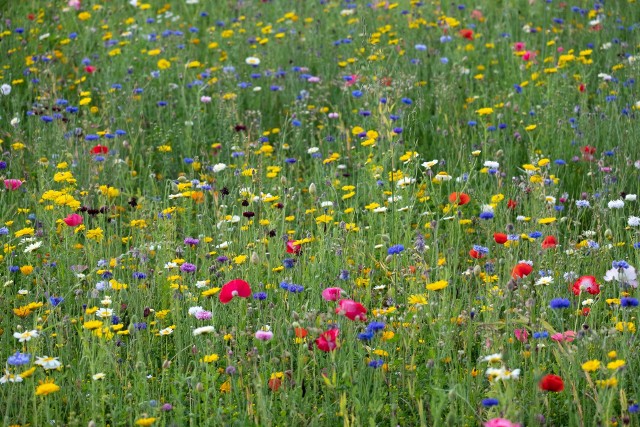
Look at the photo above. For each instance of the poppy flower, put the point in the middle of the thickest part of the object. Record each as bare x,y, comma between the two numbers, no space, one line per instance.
521,269
12,184
467,33
275,383
586,284
293,248
328,341
300,332
500,238
73,220
459,198
234,288
511,204
332,294
99,149
351,309
551,382
90,69
549,242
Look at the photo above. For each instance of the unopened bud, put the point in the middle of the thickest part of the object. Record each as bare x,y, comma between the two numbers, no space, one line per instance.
312,188
254,258
199,388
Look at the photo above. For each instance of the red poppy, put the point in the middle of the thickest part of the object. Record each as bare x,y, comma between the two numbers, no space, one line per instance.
586,284
99,149
500,238
551,382
582,87
293,248
511,204
586,311
275,383
386,81
234,288
328,341
332,294
475,254
90,69
521,270
351,309
31,16
549,242
459,198
467,33
300,332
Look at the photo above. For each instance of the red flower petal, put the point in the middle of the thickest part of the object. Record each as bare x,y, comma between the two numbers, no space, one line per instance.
351,309
234,288
551,382
521,270
549,242
500,238
459,198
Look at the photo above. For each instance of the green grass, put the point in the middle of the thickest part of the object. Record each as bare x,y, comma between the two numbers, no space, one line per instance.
202,145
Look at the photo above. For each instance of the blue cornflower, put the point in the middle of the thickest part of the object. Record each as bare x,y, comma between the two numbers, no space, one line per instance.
140,326
288,262
489,402
4,231
560,303
376,363
356,93
620,264
535,235
260,296
633,408
366,336
139,275
17,359
375,326
55,301
628,302
481,249
539,335
344,275
486,215
395,249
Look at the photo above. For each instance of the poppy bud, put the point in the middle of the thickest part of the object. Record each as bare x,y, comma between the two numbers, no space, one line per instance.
312,188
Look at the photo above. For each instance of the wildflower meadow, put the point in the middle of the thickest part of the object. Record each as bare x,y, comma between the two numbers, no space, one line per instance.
319,213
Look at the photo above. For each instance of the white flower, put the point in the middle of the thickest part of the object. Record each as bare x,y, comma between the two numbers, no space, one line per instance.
15,122
615,204
429,165
48,362
347,12
394,199
203,330
442,176
633,221
588,301
492,358
312,150
326,204
165,331
219,167
623,275
23,292
631,197
26,335
486,208
491,164
502,374
5,89
10,378
32,247
380,209
202,284
252,60
104,312
98,376
223,245
605,77
544,281
405,181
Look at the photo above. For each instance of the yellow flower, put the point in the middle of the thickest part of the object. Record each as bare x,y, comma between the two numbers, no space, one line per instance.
225,387
95,234
145,421
546,220
83,16
25,232
439,285
324,219
92,324
609,383
615,364
484,111
47,387
591,366
26,270
211,358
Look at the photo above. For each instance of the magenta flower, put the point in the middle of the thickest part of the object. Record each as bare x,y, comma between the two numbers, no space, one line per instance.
234,288
73,220
264,335
332,294
500,422
12,184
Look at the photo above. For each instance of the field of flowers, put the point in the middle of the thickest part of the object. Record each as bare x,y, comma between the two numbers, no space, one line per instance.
319,212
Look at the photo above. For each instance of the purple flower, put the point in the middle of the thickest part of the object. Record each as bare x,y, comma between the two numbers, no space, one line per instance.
187,268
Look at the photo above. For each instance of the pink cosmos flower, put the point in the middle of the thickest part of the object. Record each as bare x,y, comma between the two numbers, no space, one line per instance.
332,294
73,220
12,184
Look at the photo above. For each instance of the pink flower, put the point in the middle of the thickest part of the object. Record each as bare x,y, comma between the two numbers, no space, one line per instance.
12,184
234,288
521,335
264,335
332,294
529,55
328,341
76,4
567,336
205,99
500,422
352,310
518,46
73,220
203,315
